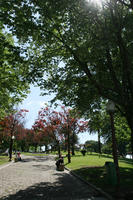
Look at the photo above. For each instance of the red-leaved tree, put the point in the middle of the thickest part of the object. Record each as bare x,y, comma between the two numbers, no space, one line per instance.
56,127
11,127
47,127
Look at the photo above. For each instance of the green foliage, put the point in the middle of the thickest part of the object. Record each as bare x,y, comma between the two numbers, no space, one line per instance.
71,36
107,148
13,69
76,50
92,146
123,134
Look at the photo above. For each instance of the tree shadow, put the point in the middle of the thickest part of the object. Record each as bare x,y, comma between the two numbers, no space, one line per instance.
126,160
65,188
98,176
92,174
76,155
126,174
106,156
44,167
36,158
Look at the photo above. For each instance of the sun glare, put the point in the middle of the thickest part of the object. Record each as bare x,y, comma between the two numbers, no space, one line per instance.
98,2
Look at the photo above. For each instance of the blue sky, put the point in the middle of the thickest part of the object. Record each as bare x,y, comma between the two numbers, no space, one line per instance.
34,102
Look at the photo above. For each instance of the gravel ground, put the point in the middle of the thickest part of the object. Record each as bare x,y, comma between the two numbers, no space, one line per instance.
36,178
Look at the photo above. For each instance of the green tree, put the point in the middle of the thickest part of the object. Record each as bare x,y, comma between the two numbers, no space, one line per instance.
94,44
123,133
13,73
92,146
95,126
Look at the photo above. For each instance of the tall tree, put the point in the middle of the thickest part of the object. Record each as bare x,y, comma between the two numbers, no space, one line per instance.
93,43
95,126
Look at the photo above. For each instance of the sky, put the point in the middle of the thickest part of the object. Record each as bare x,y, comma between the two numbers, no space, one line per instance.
34,102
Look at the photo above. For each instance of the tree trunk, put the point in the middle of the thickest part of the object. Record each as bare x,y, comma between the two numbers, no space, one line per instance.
99,143
59,151
35,148
68,145
51,148
46,148
114,146
22,148
27,148
65,143
10,149
73,150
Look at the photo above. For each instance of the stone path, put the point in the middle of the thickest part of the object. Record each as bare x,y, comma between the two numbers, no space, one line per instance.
36,178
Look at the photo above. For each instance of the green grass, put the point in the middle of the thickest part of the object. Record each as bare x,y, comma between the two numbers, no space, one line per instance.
92,169
3,159
79,161
56,153
34,154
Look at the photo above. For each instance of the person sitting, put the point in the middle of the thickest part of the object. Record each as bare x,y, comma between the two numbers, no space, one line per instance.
19,156
60,162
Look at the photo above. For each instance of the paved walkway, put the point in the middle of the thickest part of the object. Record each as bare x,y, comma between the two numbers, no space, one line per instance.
36,178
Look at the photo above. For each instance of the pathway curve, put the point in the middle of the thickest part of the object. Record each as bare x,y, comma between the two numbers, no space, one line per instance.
36,178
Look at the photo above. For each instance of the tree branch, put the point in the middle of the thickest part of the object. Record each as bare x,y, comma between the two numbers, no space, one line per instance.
123,53
125,4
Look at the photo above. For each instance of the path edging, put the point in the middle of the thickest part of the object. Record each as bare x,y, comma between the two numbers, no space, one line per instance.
91,185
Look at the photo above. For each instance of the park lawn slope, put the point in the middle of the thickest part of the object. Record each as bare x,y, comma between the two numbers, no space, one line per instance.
92,169
79,161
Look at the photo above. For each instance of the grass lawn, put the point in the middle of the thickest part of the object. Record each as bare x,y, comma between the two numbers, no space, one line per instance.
33,154
92,169
3,159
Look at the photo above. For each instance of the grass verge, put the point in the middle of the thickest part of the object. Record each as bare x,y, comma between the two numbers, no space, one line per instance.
33,154
3,159
92,169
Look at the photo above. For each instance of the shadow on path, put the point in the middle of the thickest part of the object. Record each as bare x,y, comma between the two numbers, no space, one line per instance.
65,188
36,158
44,167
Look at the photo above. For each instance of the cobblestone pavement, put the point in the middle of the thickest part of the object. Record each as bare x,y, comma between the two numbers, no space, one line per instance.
36,178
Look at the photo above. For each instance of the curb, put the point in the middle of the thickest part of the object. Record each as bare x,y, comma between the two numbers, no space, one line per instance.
91,185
